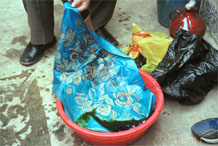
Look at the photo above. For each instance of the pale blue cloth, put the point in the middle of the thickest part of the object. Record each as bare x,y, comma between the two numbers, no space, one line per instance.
97,83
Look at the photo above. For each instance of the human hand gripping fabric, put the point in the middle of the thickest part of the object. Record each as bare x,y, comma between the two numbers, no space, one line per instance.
81,5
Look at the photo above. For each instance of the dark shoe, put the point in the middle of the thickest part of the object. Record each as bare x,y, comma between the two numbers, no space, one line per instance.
33,53
107,36
206,130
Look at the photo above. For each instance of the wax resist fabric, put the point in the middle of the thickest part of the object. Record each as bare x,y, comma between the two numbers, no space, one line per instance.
99,86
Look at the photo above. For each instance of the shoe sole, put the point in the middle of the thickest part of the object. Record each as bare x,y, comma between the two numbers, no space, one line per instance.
206,132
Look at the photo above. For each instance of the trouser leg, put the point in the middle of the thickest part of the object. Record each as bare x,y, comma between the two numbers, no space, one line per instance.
101,12
41,20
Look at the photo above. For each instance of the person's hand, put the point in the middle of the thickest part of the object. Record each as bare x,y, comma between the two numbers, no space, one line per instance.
81,5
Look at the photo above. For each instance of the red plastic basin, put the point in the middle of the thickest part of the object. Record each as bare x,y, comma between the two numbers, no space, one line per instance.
124,137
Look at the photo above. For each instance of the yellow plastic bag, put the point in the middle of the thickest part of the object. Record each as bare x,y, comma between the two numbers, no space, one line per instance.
153,46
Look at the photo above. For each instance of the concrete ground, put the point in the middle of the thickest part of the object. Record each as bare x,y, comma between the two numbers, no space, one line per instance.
28,115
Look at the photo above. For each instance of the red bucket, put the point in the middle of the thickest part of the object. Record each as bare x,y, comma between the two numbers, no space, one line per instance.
124,137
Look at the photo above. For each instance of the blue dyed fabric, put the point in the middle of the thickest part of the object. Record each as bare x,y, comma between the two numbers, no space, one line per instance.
99,86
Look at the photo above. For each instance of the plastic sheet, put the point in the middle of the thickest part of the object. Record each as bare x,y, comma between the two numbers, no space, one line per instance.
152,46
189,69
100,87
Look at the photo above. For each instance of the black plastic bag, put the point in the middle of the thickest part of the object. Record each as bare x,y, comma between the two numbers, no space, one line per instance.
189,69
